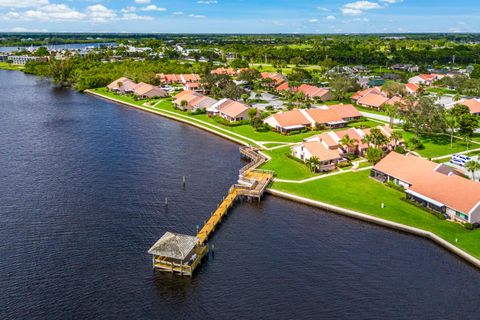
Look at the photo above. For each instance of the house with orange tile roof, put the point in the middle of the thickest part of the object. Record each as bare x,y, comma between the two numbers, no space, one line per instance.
298,119
145,90
375,90
412,88
434,186
472,104
178,78
332,139
122,85
227,71
426,79
328,158
192,101
276,77
229,109
347,111
314,92
194,86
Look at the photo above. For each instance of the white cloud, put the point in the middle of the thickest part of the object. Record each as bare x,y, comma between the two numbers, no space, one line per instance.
359,7
152,7
178,13
129,9
134,16
207,1
391,1
142,1
100,13
22,3
313,20
361,19
22,29
323,9
330,18
197,16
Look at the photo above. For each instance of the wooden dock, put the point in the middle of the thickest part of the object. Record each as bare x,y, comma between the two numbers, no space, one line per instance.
251,185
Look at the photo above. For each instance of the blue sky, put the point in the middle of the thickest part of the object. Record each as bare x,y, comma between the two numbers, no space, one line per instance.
240,16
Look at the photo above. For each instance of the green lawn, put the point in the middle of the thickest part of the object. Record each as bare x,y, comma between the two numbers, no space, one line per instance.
438,145
358,192
285,167
9,66
441,91
244,130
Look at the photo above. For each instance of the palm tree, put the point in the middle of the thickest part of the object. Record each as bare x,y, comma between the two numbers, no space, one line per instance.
392,112
396,137
378,139
348,142
184,104
373,155
472,166
313,163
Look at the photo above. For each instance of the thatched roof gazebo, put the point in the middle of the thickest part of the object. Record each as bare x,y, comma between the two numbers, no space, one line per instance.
177,253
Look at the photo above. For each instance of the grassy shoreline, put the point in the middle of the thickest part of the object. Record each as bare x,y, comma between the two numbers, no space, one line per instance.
353,191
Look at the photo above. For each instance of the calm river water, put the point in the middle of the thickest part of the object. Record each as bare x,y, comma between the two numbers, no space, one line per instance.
83,185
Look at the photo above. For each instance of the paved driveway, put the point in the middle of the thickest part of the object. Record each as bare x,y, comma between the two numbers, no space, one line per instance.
467,173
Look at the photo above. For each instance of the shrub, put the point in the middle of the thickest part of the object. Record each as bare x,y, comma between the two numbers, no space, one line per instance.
344,164
414,143
394,186
468,226
400,149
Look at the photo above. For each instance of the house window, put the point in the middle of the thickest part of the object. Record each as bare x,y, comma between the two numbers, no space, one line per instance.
461,215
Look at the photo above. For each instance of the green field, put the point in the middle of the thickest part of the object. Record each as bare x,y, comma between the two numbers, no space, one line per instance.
9,66
285,167
356,191
439,145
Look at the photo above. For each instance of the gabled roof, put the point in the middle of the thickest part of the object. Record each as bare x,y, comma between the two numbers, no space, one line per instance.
472,104
291,118
346,110
174,245
373,100
324,115
229,71
433,180
412,87
312,91
283,87
320,151
357,95
232,108
278,78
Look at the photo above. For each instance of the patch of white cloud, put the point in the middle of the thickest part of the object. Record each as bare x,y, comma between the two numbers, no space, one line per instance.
207,2
196,16
142,1
134,16
178,13
359,7
330,18
153,7
100,13
22,3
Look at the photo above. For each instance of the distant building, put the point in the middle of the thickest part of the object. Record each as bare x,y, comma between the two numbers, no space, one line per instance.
145,90
229,109
22,60
328,116
426,79
192,101
122,85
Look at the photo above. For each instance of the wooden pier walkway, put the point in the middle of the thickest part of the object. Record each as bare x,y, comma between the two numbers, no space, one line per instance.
251,185
168,253
217,216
